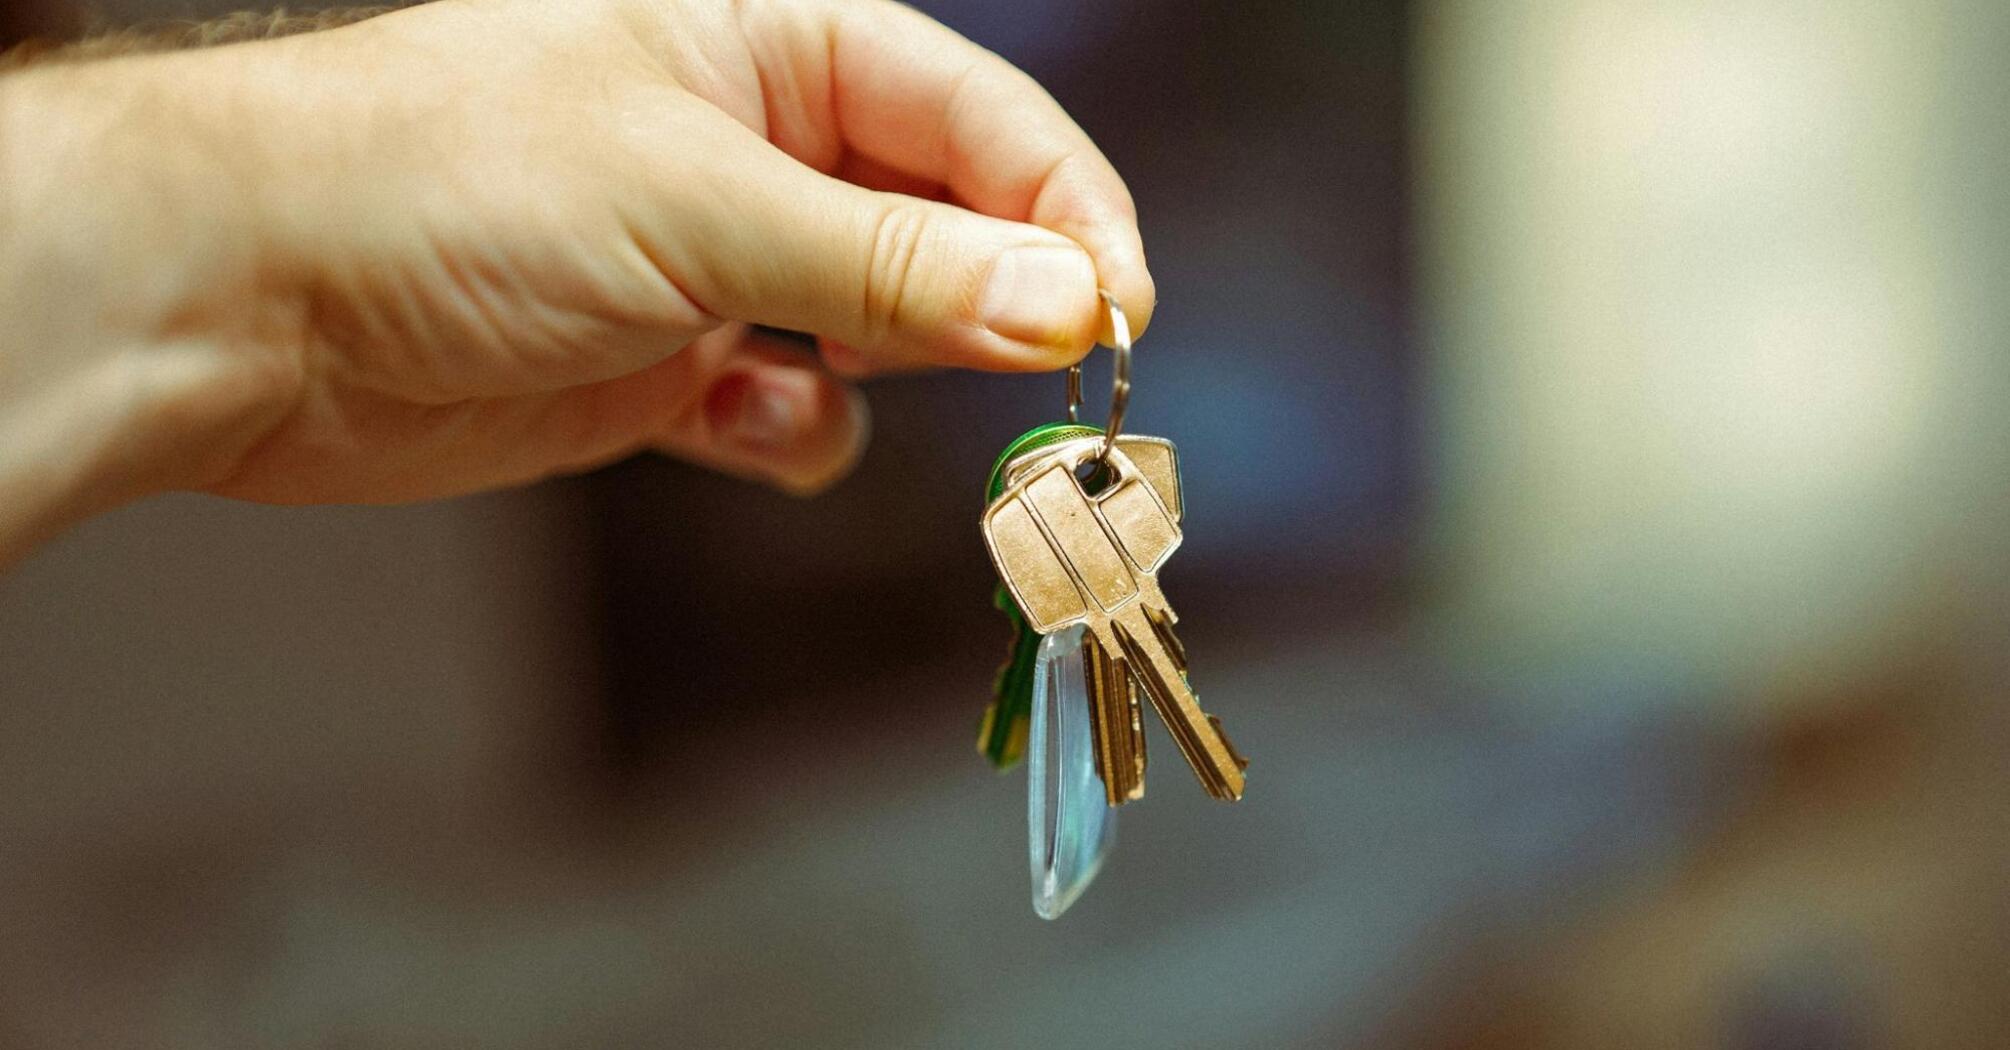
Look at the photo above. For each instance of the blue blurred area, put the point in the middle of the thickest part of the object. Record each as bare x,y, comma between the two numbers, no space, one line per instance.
1264,145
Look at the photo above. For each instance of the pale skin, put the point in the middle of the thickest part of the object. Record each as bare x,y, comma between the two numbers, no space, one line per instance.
478,242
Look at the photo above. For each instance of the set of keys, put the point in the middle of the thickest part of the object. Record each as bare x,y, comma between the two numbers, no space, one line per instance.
1079,521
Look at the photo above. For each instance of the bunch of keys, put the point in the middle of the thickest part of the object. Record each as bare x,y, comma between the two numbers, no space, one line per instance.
1079,521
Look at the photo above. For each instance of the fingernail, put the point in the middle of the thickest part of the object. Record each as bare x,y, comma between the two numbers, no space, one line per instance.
1034,294
835,464
763,410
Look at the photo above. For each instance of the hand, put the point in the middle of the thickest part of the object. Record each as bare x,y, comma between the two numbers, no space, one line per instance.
479,241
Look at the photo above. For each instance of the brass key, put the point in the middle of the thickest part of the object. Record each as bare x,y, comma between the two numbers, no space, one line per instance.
1116,715
1070,557
1116,725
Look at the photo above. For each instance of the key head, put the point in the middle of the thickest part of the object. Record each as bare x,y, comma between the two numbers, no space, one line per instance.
1156,458
1030,446
1067,553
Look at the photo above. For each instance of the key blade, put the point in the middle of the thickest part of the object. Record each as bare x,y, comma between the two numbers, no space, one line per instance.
1162,620
1132,634
1240,762
1115,724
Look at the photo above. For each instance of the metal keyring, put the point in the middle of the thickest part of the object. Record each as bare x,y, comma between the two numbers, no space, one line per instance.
1120,385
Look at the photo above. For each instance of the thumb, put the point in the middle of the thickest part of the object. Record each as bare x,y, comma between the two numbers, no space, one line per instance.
907,282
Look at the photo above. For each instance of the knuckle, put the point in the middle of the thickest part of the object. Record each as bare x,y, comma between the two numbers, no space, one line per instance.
891,269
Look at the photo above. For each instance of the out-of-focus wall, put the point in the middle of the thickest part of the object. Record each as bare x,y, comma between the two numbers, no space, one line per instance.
1715,300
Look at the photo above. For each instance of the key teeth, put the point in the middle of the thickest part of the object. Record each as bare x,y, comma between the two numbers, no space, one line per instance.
1231,789
1227,788
1224,791
1114,725
1135,707
1162,621
1227,744
1219,773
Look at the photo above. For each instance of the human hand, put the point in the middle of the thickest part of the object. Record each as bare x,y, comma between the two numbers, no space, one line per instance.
479,241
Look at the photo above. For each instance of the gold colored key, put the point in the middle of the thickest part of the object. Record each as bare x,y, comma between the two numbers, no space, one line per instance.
1115,706
1069,557
1116,724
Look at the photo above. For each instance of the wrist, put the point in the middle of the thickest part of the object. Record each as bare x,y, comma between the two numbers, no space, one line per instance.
137,353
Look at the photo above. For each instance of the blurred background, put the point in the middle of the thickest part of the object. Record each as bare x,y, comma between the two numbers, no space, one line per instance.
1597,538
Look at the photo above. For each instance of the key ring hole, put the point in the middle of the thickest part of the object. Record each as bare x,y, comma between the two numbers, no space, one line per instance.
1120,377
1095,476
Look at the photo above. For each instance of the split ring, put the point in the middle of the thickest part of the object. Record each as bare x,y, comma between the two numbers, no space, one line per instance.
1120,385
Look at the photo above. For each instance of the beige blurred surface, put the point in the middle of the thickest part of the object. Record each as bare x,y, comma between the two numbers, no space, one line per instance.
1716,298
1715,294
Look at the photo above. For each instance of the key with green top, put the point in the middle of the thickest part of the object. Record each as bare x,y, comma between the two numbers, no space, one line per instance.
1001,736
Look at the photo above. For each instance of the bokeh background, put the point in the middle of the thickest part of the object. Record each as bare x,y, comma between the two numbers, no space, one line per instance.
1598,539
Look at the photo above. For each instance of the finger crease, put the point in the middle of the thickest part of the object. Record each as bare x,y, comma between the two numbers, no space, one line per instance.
952,108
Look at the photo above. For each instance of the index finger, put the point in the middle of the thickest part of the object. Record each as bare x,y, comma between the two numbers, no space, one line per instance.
912,95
